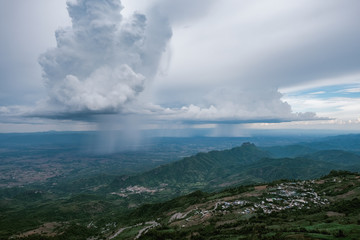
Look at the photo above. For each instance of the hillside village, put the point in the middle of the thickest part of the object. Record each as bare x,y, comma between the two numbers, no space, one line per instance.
264,199
224,214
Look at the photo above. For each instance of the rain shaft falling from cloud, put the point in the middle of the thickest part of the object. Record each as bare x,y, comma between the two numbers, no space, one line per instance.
103,61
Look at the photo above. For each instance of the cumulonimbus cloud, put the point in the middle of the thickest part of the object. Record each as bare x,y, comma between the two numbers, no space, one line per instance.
102,61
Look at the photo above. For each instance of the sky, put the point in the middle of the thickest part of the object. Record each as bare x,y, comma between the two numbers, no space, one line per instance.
225,65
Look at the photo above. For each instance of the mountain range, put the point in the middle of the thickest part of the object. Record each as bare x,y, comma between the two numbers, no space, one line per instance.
247,164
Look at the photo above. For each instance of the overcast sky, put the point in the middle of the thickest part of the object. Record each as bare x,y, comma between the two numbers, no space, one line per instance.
89,64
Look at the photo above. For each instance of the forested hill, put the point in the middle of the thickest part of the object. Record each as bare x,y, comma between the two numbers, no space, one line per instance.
348,143
199,171
241,165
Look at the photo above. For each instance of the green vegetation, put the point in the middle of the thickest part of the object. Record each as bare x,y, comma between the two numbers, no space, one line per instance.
325,208
247,164
203,170
337,219
79,197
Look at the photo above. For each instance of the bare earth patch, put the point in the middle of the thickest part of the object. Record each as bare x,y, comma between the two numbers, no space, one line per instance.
335,214
228,184
257,191
231,198
299,236
224,222
348,194
262,187
252,194
47,229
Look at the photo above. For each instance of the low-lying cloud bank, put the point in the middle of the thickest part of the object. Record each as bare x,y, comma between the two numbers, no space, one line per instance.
228,106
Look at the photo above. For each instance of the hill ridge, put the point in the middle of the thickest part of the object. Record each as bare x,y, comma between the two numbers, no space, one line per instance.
199,167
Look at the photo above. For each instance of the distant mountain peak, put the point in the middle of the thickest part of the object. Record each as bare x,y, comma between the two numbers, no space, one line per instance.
248,144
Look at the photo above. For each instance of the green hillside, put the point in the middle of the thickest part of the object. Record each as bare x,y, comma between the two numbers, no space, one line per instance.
196,172
288,168
326,208
74,207
323,208
247,164
336,157
348,143
296,150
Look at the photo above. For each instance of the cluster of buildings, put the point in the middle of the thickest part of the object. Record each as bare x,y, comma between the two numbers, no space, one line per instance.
272,199
135,190
263,199
280,197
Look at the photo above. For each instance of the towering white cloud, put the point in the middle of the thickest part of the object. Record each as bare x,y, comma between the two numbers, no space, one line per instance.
102,61
226,60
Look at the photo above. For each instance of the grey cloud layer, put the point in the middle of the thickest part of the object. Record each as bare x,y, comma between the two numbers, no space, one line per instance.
256,47
101,64
227,59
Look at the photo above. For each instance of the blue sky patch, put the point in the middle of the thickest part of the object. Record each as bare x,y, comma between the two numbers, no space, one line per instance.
326,92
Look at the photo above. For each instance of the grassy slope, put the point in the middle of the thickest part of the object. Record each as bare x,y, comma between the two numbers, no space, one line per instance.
337,220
